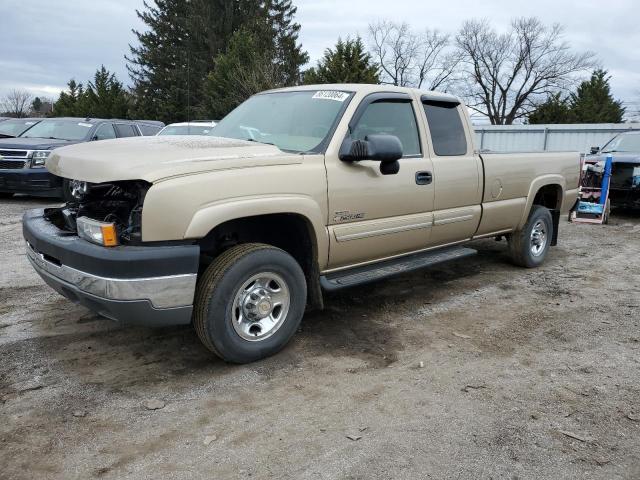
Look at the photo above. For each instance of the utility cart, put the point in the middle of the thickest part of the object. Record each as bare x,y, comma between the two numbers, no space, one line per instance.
593,201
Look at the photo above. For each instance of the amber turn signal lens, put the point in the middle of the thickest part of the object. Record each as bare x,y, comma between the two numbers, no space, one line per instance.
109,236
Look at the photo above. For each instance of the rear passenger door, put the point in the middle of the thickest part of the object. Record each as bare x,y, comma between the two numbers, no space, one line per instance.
371,215
126,130
457,172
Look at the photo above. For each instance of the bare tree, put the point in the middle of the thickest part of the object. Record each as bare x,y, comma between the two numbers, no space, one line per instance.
17,103
410,59
508,74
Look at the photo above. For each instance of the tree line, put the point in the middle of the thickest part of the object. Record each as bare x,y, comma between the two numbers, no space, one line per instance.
202,58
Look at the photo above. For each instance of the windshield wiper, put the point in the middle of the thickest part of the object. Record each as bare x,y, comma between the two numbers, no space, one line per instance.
6,135
258,141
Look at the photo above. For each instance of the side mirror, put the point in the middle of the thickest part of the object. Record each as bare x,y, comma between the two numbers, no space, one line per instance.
594,150
386,149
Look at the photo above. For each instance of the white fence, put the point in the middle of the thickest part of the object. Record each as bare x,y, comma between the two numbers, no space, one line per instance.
559,138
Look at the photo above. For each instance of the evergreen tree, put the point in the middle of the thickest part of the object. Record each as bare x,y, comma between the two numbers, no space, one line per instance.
593,102
262,55
347,63
174,58
243,70
554,110
68,102
105,97
36,105
283,32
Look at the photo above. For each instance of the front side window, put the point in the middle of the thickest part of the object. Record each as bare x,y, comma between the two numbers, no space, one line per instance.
105,132
391,118
59,129
294,121
447,133
126,130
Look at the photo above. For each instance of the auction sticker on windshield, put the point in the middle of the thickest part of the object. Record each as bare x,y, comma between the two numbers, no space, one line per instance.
331,95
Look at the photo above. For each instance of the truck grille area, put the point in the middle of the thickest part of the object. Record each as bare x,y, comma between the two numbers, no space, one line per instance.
14,153
11,164
116,202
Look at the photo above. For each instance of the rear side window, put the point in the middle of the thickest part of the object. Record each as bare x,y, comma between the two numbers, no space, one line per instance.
124,130
391,118
447,133
148,130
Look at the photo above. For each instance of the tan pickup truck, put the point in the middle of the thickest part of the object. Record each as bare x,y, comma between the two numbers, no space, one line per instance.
296,191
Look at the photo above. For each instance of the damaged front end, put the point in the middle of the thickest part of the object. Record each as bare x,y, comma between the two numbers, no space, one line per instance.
112,209
625,185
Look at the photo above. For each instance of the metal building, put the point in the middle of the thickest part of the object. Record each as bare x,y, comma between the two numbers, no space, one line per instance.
559,138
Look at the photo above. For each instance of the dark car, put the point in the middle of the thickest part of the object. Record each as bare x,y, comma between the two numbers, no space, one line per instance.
13,127
22,159
624,188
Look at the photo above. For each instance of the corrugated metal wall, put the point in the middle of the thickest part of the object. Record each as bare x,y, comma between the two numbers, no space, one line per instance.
559,138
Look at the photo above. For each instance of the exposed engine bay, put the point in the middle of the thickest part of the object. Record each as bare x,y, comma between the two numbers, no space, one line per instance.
115,202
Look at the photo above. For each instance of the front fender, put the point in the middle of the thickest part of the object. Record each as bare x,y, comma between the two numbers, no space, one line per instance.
214,214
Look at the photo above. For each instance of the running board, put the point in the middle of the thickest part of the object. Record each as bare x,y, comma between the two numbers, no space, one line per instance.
388,268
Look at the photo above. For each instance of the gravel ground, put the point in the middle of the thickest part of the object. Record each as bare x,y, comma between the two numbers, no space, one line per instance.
473,370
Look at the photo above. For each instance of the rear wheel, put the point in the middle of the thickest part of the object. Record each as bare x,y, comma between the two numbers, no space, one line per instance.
529,246
249,302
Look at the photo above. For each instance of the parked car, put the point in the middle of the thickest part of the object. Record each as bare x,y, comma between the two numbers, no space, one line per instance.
22,159
301,190
199,127
624,187
13,127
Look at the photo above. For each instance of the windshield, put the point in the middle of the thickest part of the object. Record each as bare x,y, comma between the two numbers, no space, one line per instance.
186,130
298,121
59,130
629,142
13,128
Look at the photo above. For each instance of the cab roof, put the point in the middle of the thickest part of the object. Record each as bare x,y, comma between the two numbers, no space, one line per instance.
367,88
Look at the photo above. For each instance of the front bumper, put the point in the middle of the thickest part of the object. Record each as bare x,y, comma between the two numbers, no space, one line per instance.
32,181
146,285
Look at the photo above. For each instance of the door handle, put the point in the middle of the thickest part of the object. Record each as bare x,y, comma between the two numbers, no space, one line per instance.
424,178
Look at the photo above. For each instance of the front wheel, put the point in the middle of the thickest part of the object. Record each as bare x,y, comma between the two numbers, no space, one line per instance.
529,246
249,302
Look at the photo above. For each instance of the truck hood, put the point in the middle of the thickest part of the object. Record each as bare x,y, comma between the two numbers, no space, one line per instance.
157,158
22,143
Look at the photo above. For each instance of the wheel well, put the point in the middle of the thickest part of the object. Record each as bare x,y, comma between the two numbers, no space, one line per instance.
549,196
290,232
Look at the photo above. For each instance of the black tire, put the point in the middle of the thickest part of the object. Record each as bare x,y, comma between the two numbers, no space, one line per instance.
214,313
521,243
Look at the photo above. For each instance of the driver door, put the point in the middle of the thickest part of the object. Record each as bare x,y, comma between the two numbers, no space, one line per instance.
374,216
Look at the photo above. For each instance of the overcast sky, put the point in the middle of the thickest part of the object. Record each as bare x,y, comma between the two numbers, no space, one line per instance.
47,42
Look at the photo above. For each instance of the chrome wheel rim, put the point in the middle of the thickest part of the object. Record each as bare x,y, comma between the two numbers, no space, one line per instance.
260,306
538,238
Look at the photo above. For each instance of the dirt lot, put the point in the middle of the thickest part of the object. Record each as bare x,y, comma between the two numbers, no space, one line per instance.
473,370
